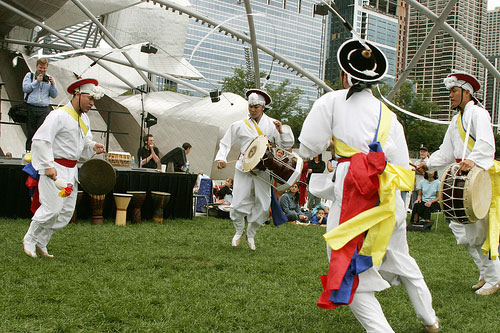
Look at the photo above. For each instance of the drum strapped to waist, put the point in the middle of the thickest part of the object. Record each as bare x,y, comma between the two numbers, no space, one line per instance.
465,198
97,176
260,156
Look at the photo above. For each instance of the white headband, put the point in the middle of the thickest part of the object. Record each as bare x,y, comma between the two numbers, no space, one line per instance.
452,81
256,99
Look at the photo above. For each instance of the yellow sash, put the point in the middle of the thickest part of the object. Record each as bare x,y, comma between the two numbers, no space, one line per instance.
250,126
462,132
379,221
75,116
384,127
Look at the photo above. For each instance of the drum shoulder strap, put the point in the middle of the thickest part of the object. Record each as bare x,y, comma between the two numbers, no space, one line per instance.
259,131
461,130
75,116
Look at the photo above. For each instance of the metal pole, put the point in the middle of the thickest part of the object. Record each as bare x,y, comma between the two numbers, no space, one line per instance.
465,43
55,33
421,50
113,41
253,38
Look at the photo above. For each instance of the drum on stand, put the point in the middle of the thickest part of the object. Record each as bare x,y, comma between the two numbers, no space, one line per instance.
285,169
97,177
160,200
97,204
121,200
465,198
138,198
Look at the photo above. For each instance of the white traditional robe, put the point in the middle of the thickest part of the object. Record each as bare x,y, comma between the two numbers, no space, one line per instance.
60,136
354,122
471,235
251,195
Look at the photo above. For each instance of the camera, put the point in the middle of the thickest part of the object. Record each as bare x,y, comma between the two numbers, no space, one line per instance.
45,78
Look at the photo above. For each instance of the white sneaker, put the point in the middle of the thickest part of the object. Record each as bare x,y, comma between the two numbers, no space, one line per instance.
29,248
251,244
236,240
488,289
479,283
43,252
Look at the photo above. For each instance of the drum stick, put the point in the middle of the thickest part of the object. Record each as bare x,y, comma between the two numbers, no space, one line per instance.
413,165
229,162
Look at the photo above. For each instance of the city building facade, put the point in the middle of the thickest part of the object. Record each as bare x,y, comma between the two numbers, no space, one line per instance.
492,51
289,27
444,53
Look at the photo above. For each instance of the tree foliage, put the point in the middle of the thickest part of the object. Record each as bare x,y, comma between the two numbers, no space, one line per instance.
285,105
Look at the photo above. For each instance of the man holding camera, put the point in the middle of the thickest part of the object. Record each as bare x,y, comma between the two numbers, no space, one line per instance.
38,87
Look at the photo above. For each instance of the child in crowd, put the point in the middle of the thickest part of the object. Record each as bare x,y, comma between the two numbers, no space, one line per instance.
319,218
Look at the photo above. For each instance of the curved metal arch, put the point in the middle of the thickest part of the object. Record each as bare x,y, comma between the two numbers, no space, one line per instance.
282,60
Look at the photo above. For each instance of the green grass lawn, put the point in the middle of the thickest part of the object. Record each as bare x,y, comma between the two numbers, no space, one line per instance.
184,276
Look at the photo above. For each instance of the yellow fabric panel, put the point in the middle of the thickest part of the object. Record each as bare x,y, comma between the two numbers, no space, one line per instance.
492,240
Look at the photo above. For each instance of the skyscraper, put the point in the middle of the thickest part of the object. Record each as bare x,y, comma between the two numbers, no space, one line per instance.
492,51
444,53
288,27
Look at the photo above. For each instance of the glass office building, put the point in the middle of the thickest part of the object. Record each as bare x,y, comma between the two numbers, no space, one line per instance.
288,27
491,89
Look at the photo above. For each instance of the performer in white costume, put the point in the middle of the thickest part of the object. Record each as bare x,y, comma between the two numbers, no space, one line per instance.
352,117
59,143
472,236
251,195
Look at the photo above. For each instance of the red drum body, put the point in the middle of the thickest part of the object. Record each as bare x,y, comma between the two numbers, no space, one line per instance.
465,198
285,169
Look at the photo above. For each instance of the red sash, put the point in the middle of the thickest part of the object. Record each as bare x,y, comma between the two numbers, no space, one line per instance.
33,183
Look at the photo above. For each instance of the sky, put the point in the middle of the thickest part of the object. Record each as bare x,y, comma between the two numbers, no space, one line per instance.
493,3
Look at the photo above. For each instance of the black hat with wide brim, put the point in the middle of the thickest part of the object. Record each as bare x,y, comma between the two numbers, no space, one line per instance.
360,63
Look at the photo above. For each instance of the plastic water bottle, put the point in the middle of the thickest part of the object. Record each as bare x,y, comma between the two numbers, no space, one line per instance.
132,162
187,166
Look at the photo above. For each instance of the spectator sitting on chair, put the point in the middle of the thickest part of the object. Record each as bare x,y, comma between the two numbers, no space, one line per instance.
38,88
225,194
149,154
427,201
289,202
319,218
178,157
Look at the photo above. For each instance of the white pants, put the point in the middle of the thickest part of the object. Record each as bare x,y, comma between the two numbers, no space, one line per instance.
251,199
55,211
472,236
